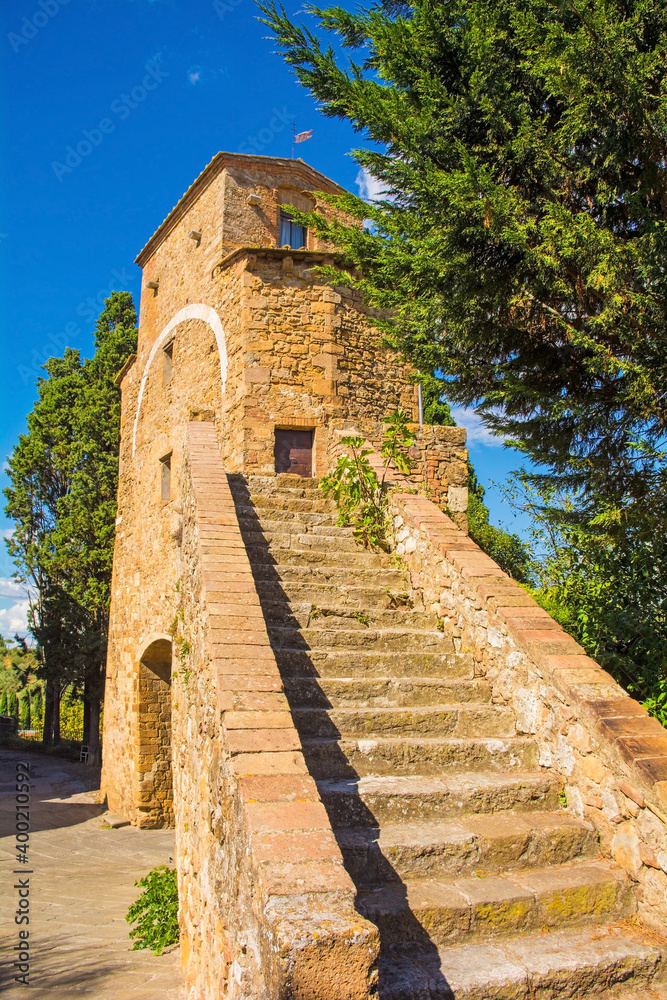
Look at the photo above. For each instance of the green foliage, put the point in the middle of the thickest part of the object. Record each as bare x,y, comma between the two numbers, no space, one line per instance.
436,408
12,704
24,710
20,690
362,617
62,496
155,912
511,554
520,248
606,589
358,491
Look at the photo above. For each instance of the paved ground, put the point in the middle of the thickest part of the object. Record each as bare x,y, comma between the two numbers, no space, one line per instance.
81,886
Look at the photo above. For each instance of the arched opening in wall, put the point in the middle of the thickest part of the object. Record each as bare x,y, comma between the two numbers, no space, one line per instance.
155,792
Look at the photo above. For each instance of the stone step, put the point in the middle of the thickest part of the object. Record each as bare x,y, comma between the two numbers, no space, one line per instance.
361,598
352,664
383,692
394,579
454,909
271,502
575,964
277,481
477,844
288,492
280,541
350,758
326,556
487,721
359,640
254,519
373,801
301,615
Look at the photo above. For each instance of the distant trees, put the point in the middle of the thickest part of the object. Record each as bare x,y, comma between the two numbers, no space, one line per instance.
20,690
63,476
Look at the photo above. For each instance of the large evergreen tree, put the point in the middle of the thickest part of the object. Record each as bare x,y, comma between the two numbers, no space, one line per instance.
521,245
40,473
62,496
84,536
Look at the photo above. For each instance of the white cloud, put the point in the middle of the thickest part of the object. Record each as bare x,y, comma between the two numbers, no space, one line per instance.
370,188
478,433
14,620
12,588
203,74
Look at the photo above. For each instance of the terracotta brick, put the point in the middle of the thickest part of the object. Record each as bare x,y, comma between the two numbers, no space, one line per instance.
249,682
280,788
268,763
240,621
511,612
283,878
651,769
616,708
301,814
259,740
636,747
234,658
571,661
258,720
238,637
231,609
304,845
542,643
613,728
631,792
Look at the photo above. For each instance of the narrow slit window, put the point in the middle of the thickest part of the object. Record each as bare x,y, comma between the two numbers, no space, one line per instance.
167,363
291,235
165,478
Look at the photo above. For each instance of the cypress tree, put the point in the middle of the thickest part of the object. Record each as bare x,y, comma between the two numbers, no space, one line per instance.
519,248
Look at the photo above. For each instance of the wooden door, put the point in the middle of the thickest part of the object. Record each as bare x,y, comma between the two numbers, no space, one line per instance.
294,452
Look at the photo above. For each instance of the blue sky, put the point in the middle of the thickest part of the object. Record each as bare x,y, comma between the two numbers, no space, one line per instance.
111,109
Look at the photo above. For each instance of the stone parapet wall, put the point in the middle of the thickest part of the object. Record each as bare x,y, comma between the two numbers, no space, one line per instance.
267,908
610,755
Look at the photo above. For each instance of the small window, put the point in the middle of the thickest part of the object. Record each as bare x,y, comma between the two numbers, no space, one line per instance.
165,478
291,235
167,363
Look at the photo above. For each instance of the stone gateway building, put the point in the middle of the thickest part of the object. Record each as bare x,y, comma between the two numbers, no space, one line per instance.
391,775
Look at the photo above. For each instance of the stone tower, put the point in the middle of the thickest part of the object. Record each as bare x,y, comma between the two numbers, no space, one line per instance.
235,327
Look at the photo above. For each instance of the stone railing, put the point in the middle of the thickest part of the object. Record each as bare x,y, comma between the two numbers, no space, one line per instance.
266,906
610,754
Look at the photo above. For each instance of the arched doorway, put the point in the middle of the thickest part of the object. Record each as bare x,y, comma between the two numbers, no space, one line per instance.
155,794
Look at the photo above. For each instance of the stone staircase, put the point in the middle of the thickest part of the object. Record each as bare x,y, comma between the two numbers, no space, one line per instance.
482,886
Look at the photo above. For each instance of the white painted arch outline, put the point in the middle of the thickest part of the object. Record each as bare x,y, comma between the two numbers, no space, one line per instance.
197,310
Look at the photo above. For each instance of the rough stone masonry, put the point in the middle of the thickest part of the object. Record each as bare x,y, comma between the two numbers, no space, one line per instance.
393,778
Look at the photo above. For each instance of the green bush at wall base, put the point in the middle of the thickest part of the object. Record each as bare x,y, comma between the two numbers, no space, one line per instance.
155,912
